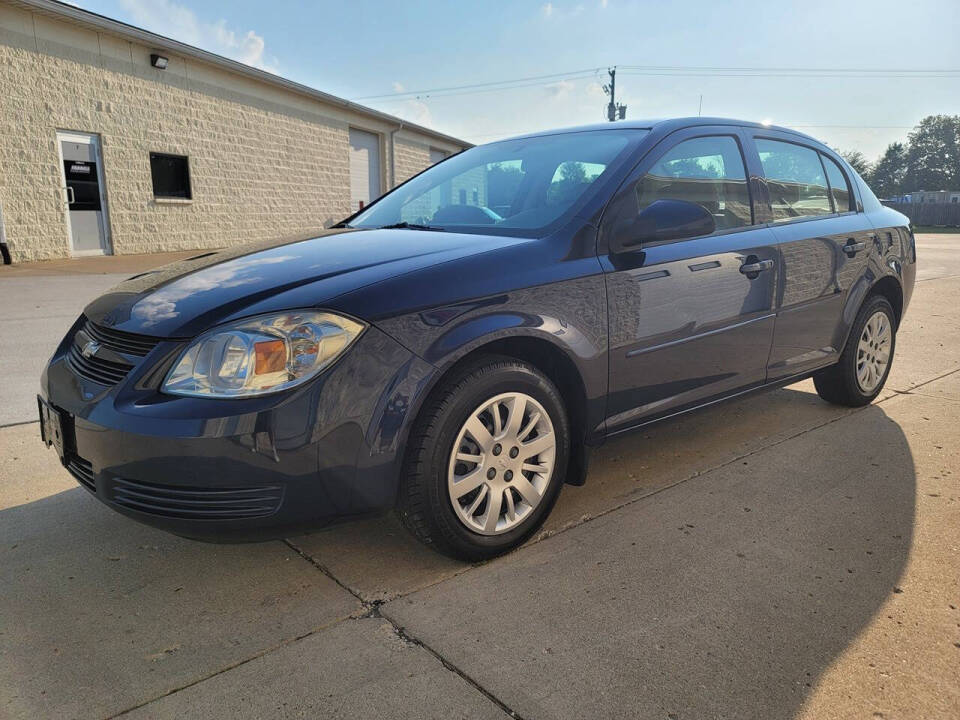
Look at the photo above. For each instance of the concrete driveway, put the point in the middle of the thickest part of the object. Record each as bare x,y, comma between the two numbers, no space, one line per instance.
771,557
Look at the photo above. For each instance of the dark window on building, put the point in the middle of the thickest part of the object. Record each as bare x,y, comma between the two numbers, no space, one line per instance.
171,176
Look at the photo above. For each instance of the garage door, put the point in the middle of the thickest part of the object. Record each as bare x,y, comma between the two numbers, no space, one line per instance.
364,168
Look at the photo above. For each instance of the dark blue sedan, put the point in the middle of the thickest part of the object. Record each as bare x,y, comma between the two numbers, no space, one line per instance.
456,349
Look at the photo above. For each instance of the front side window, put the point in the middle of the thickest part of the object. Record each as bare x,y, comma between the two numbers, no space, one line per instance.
522,185
839,187
708,171
795,180
171,176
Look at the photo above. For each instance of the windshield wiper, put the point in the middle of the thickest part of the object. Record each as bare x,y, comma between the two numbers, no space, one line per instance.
410,226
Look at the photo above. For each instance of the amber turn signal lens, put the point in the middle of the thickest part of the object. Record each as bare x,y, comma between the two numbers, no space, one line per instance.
271,357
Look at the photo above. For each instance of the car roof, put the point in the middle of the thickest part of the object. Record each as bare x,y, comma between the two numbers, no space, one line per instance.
666,125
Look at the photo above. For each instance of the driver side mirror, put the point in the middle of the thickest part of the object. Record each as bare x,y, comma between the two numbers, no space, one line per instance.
666,221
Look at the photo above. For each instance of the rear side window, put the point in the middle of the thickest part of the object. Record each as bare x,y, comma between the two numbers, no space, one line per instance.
708,171
795,179
839,187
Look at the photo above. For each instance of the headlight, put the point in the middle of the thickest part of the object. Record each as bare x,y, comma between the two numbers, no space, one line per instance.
261,355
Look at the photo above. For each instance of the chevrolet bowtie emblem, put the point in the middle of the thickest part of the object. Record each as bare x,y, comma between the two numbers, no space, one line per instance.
90,349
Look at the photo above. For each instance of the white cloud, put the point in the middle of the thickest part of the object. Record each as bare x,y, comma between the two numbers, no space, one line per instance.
559,90
603,3
595,91
398,86
416,111
181,23
547,9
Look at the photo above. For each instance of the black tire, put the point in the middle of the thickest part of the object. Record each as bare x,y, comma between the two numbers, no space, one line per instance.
838,383
424,505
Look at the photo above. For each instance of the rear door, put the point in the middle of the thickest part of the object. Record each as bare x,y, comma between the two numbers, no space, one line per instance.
824,244
687,324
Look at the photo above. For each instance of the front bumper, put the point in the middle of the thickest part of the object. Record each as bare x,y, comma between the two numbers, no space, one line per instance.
232,470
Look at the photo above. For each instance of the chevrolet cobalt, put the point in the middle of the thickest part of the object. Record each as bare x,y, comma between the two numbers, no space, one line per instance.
456,349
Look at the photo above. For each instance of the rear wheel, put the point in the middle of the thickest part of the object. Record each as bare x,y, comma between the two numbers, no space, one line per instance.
486,460
865,363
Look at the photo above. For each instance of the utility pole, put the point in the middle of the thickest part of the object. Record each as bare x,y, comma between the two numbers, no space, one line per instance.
614,111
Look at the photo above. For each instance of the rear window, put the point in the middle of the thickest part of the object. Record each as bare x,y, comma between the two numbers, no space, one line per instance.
795,180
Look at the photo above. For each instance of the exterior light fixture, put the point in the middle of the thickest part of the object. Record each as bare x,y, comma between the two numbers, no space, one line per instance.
158,61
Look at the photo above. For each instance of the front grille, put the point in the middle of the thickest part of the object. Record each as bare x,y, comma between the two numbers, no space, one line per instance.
112,342
195,503
97,369
82,471
121,342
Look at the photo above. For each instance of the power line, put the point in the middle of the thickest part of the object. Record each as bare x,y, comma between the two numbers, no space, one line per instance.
678,70
760,74
438,94
408,93
714,68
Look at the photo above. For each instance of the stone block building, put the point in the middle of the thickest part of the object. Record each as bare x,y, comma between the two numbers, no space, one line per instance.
117,140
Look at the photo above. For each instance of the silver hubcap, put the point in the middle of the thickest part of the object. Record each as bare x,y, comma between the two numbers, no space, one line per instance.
873,352
501,463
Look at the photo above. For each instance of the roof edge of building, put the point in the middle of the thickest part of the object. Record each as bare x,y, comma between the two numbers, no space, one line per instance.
102,23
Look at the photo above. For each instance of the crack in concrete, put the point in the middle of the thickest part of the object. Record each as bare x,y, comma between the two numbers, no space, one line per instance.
22,422
372,610
228,668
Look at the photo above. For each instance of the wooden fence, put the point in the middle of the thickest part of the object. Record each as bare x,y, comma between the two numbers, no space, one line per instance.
929,214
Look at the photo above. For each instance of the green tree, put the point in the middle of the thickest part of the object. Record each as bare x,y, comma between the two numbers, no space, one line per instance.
503,182
933,154
858,161
889,172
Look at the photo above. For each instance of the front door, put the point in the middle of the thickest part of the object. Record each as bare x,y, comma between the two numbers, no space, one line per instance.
82,174
690,320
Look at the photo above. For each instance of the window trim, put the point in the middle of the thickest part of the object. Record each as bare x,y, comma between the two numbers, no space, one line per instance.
189,177
846,178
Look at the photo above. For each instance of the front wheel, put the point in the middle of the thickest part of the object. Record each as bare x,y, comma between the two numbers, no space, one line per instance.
486,460
865,362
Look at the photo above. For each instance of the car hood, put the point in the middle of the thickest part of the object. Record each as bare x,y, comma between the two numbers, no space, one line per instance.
188,297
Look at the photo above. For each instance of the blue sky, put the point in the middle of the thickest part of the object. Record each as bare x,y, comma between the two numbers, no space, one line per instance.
364,48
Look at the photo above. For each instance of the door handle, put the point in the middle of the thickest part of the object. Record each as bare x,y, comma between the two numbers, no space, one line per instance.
71,195
853,247
754,266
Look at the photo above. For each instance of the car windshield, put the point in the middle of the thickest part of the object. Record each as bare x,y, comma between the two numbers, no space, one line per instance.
517,186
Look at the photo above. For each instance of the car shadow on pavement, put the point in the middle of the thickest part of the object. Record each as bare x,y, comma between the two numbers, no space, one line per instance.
728,595
725,595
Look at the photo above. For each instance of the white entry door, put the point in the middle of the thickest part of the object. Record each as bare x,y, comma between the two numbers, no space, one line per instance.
81,167
364,168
